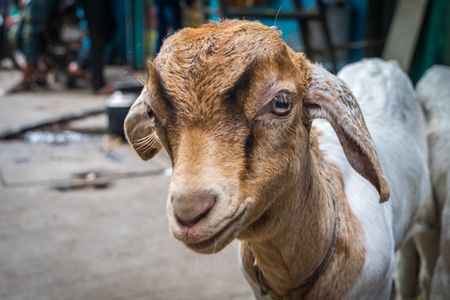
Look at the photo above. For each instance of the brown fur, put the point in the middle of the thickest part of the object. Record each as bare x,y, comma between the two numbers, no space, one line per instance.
284,270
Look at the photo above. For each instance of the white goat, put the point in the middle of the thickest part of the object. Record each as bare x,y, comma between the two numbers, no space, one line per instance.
233,106
433,91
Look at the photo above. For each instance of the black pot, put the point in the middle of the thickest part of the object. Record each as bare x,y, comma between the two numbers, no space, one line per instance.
117,107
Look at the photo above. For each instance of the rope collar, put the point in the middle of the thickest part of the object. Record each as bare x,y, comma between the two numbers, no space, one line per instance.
265,289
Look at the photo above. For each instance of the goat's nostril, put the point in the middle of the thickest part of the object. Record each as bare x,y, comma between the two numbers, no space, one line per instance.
189,209
191,222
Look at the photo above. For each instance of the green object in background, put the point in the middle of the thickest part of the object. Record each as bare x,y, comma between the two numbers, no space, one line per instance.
138,33
433,46
150,37
134,26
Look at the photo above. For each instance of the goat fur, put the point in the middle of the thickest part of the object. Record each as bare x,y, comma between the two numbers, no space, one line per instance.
433,90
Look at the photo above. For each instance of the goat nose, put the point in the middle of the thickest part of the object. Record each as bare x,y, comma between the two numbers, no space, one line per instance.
190,208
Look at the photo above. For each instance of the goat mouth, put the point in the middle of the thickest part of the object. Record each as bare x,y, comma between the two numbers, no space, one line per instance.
220,239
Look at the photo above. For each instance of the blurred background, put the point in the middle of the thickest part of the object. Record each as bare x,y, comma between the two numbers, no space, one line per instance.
81,216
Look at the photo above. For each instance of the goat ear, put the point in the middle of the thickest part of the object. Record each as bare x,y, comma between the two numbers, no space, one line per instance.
140,131
329,98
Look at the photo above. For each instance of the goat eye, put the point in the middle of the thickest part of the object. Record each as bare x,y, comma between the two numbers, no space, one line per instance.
150,114
281,105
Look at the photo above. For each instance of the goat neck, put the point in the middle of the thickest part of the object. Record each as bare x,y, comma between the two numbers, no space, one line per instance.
297,234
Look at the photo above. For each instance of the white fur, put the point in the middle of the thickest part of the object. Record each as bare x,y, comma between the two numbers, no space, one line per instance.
433,91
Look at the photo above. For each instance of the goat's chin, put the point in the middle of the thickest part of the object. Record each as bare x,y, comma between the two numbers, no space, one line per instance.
212,239
212,245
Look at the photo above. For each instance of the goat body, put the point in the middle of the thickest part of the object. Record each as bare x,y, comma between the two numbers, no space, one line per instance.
433,90
234,107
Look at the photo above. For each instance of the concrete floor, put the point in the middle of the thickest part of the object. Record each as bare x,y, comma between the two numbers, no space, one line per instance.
81,221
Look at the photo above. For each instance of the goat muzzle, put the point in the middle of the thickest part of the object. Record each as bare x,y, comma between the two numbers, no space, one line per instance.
191,208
